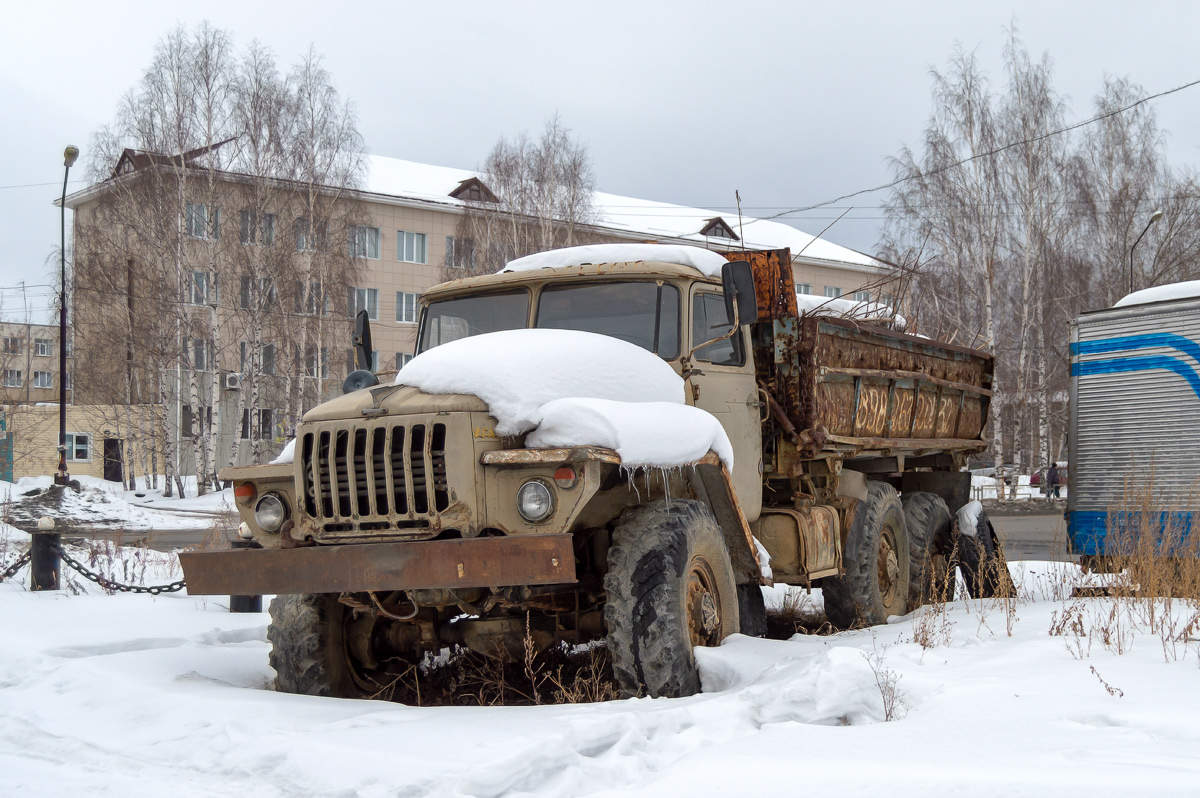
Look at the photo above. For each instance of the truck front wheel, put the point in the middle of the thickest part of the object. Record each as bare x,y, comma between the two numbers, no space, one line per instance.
670,588
876,561
310,651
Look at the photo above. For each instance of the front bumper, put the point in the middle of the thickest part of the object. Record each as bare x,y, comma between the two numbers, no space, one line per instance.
546,559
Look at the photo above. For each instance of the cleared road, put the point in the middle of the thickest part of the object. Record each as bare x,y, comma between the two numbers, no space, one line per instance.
1032,537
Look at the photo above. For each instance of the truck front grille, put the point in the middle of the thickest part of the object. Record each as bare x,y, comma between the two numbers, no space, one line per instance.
377,477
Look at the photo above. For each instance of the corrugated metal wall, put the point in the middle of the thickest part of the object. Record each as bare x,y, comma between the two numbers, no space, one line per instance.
1135,391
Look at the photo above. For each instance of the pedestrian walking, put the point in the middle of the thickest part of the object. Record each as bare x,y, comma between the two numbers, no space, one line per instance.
1052,480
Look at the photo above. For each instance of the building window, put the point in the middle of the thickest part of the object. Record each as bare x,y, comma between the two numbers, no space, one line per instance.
266,363
199,288
253,229
187,420
264,426
804,288
12,346
12,378
312,300
402,359
79,447
201,354
364,299
406,307
314,366
889,300
460,252
43,379
67,381
364,242
862,296
832,291
198,223
308,239
264,297
43,347
410,247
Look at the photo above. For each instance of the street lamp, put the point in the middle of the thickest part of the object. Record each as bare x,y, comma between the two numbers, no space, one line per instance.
70,154
1153,218
43,549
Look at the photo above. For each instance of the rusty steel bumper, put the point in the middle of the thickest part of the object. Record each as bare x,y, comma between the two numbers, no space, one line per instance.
479,562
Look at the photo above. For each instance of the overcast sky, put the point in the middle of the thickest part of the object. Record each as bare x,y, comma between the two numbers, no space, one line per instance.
790,103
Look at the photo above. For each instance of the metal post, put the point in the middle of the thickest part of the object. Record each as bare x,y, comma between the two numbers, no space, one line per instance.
43,560
245,603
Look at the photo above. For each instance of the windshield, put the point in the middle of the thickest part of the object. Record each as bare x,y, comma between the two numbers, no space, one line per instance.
463,317
643,313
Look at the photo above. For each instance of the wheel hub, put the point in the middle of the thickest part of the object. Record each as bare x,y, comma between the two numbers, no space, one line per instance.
888,567
703,605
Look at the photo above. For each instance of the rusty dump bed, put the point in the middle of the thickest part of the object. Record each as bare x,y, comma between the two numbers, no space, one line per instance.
850,388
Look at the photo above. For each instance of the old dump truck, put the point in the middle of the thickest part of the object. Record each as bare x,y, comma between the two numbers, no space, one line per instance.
405,525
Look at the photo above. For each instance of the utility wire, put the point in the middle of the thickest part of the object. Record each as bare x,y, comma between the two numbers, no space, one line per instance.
989,153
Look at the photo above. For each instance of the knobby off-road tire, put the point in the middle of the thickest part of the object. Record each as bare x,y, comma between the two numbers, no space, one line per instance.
982,562
876,559
670,588
927,521
308,647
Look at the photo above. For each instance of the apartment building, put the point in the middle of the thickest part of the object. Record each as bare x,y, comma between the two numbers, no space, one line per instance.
29,364
402,234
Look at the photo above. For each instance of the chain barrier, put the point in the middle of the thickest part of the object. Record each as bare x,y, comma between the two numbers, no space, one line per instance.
109,584
16,566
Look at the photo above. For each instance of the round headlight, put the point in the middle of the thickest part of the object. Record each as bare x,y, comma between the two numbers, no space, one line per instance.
534,501
269,513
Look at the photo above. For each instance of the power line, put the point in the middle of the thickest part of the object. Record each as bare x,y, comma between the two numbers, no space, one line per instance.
996,151
39,185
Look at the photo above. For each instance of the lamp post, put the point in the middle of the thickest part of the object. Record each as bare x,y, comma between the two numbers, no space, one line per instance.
1153,218
43,550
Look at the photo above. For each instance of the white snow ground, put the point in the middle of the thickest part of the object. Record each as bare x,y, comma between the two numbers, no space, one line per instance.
132,696
107,506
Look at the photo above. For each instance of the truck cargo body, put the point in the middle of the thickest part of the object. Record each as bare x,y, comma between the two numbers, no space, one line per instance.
854,389
1134,418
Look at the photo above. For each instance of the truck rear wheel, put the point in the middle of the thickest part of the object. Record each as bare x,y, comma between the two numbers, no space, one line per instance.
310,651
670,588
876,561
927,521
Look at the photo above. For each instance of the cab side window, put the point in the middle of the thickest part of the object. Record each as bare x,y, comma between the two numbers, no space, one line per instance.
709,321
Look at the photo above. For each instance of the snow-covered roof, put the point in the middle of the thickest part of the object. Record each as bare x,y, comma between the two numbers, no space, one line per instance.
394,177
706,262
1189,289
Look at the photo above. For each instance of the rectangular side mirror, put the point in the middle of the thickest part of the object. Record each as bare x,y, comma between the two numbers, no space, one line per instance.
737,280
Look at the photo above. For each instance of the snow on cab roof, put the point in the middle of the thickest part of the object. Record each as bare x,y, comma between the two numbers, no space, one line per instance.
1189,289
394,177
706,262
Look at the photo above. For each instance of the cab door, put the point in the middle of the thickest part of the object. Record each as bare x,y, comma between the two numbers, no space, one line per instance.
725,386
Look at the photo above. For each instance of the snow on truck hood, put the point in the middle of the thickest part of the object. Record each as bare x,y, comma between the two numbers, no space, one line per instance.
702,260
571,388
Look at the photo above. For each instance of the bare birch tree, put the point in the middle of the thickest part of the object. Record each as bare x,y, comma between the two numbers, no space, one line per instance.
535,196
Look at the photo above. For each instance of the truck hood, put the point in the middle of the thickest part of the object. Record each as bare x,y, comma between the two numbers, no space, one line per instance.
396,400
